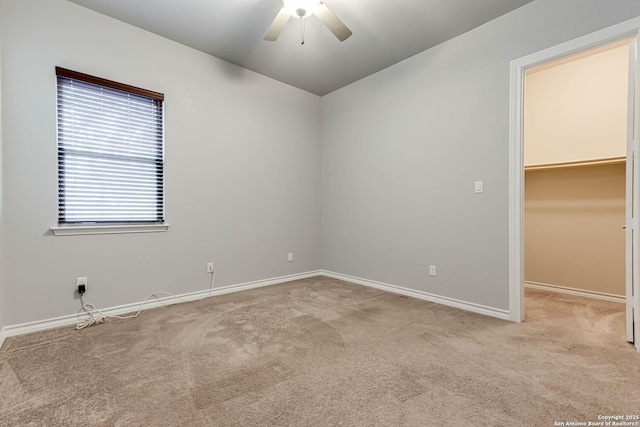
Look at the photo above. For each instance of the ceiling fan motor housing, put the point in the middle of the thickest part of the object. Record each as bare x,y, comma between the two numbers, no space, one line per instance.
301,8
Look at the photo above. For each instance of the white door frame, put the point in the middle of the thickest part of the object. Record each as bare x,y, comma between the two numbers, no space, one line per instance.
626,29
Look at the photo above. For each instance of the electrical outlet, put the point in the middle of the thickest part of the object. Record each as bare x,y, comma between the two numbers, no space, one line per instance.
209,267
432,270
81,284
290,257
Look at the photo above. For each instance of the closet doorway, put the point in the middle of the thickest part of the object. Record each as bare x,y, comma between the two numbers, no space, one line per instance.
575,139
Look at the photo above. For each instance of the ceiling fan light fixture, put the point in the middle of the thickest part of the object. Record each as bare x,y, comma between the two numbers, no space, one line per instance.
301,8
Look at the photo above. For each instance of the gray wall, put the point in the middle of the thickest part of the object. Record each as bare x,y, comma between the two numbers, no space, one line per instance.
2,245
398,153
401,150
242,168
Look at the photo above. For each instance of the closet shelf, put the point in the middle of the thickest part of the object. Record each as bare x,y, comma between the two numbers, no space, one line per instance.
594,162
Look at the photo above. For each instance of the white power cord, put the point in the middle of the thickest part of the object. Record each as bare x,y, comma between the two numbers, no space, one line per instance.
95,316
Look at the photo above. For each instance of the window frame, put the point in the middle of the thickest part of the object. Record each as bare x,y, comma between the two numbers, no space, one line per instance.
109,227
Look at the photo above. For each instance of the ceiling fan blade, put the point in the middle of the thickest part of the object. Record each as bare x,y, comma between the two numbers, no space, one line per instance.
335,25
277,25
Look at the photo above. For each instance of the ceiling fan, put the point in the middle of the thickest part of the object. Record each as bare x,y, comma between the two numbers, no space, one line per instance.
303,9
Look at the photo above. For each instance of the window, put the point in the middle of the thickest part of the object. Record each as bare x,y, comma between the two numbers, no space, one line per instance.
110,152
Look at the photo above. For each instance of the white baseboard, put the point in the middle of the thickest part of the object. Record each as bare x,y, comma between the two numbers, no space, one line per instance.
574,291
72,319
451,302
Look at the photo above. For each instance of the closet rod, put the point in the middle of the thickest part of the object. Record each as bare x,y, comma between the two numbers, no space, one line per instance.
597,162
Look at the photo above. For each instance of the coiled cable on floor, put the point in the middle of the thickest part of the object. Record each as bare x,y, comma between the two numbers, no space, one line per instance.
95,316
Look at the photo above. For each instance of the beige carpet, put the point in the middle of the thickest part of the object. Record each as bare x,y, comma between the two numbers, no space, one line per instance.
321,352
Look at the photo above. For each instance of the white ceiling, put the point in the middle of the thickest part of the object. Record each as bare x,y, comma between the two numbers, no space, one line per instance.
384,33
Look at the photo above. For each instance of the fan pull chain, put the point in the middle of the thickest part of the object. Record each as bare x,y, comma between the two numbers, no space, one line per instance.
302,29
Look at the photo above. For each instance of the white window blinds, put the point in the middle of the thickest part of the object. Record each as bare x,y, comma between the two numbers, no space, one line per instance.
110,151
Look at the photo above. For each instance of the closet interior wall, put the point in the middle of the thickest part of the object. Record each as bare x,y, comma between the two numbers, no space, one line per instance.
575,148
